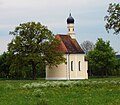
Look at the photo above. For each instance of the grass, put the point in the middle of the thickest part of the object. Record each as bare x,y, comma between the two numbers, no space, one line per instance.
104,91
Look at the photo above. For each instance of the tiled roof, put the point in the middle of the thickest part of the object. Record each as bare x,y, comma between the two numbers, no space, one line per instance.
68,45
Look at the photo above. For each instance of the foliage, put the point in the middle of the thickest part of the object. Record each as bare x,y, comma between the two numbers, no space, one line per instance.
42,101
102,59
113,19
38,93
83,92
87,46
117,68
9,71
63,84
5,64
33,44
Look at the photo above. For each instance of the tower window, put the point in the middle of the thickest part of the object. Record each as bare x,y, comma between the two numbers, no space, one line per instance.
69,29
79,66
72,65
73,29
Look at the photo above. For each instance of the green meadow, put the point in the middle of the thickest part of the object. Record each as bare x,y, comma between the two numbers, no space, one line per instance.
105,91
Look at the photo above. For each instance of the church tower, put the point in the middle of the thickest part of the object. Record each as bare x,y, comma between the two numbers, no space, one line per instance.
70,26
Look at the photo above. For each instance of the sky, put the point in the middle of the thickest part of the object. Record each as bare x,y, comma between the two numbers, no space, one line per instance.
88,14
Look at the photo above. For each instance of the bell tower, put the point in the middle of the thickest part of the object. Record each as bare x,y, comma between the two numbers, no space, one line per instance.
70,26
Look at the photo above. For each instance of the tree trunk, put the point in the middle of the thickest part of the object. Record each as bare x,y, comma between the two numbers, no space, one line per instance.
102,72
106,73
33,71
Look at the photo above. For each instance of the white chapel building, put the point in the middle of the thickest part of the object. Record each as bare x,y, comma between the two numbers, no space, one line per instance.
76,66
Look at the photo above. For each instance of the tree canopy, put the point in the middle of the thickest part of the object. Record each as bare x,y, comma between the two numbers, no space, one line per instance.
4,65
102,59
34,44
113,18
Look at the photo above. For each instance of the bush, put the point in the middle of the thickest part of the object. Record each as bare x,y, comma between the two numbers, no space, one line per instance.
38,93
43,101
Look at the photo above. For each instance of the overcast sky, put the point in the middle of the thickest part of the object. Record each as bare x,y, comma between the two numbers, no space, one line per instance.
88,15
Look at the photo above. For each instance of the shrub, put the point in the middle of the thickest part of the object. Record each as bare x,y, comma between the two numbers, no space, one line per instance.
38,93
42,101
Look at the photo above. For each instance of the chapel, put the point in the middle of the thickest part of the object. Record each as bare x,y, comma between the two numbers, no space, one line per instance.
76,66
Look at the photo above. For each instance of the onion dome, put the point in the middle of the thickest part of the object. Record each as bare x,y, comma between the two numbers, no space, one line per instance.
70,19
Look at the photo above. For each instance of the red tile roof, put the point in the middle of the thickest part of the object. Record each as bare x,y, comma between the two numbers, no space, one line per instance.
68,45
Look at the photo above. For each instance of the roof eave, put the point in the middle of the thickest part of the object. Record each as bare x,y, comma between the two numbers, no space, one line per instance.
74,53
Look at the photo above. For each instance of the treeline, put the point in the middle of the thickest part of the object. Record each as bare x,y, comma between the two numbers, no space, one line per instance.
9,70
103,72
102,60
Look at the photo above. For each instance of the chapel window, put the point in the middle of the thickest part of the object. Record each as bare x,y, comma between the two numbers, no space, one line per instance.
72,65
79,63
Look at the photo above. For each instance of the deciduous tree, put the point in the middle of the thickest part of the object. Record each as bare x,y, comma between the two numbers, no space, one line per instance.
87,46
5,64
34,44
102,59
113,18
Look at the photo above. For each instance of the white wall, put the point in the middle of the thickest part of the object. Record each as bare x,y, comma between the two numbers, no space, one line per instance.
63,71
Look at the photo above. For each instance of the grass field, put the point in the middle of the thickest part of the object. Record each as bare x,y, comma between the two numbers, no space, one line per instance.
40,92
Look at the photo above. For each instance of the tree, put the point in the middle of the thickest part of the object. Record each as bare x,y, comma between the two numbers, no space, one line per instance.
102,59
113,19
34,44
117,67
5,64
87,46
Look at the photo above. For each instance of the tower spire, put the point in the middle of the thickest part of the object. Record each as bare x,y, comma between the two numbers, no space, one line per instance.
70,26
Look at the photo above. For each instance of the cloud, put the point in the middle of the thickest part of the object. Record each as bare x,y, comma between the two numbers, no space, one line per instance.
47,8
1,2
88,15
6,26
3,43
48,11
